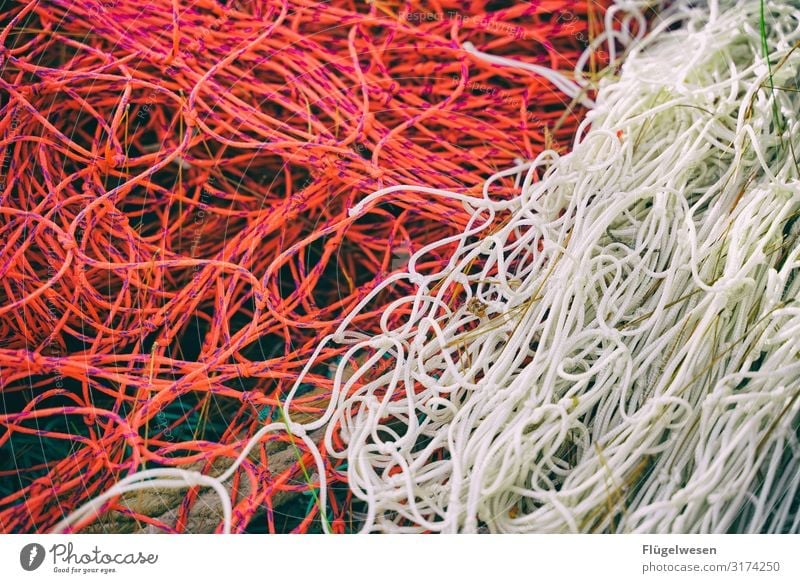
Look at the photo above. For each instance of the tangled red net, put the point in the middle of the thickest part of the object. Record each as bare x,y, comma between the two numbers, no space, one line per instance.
176,179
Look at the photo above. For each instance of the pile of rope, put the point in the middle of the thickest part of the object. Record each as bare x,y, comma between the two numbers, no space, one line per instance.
174,212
